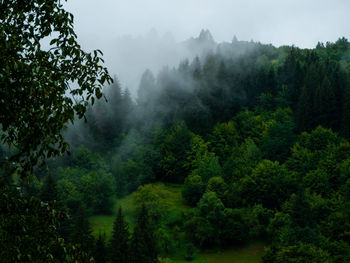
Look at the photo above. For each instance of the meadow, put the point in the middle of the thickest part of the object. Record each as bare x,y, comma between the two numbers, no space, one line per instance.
248,253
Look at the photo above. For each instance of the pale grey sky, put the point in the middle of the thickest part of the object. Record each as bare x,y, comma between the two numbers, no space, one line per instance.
104,24
299,22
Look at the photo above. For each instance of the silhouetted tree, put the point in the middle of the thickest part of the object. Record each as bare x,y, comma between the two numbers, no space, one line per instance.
100,251
81,233
143,242
119,244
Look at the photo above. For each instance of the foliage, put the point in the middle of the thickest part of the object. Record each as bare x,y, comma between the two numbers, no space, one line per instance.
81,233
100,251
35,80
173,150
193,189
269,184
119,247
29,233
143,246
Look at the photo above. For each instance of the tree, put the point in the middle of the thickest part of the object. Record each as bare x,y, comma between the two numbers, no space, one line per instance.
146,89
29,231
270,184
280,136
81,233
193,189
218,186
143,243
173,149
35,80
49,189
326,105
224,139
119,244
302,253
346,110
100,251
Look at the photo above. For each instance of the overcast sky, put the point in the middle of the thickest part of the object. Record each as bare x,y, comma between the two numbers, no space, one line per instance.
299,22
103,24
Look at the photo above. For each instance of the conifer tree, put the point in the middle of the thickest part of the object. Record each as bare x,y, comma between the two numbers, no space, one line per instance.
81,233
271,85
119,245
346,111
306,104
143,242
325,105
100,251
146,88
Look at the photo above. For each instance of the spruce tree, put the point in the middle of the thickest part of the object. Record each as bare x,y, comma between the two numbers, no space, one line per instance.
143,243
325,104
346,111
81,233
100,251
119,244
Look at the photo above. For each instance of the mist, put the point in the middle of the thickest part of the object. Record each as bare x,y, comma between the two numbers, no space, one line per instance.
138,35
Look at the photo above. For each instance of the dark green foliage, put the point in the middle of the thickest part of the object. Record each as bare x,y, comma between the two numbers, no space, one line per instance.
280,136
235,228
291,77
35,80
136,163
100,250
227,125
143,247
29,233
299,254
193,189
269,184
81,232
173,149
346,111
224,139
119,248
49,189
190,250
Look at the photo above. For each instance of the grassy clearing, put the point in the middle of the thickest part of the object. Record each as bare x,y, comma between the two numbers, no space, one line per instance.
251,253
104,223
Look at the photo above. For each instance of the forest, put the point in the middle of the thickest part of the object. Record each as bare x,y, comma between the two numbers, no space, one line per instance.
245,143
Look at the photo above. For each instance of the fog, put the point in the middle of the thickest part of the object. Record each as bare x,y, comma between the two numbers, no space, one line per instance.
138,34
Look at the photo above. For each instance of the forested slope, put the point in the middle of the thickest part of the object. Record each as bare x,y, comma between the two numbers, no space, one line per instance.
257,135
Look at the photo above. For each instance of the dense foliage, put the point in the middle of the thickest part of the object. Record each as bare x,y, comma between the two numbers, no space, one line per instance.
256,135
35,80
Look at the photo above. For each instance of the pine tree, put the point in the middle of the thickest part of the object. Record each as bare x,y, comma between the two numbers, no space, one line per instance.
196,68
325,105
81,233
100,251
147,88
346,111
143,242
271,84
49,190
119,245
306,105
